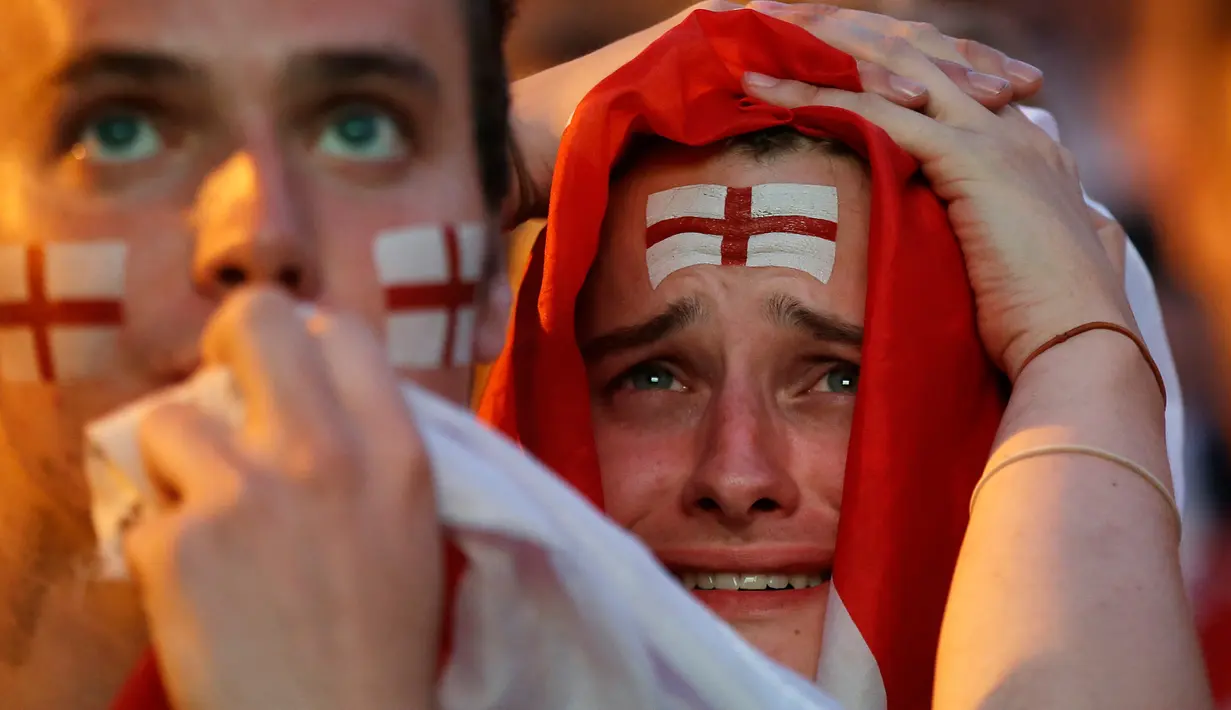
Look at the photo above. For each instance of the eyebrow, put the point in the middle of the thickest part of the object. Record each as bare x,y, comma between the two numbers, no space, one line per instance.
676,317
791,312
325,67
135,65
344,66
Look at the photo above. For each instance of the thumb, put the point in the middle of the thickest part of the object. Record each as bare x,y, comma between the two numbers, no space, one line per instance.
780,92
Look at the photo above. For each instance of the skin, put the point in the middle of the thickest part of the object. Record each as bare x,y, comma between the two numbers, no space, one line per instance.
685,423
223,163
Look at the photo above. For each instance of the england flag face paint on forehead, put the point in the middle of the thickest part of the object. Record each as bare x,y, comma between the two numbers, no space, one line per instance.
779,224
61,309
430,275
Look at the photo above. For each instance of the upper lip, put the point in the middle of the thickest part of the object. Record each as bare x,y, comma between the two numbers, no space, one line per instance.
770,559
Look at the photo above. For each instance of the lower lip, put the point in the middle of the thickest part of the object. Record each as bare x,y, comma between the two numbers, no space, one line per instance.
741,605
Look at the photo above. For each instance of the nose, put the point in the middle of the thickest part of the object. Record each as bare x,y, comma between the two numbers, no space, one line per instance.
250,230
743,473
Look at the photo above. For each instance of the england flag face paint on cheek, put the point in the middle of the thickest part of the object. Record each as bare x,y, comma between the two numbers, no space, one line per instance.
430,275
786,225
61,309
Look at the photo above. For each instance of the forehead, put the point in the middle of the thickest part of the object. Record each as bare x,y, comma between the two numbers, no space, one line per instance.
240,36
619,290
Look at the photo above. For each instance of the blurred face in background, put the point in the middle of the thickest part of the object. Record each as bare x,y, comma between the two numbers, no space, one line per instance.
155,156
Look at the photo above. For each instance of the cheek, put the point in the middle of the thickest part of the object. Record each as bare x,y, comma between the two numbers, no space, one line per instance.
163,314
42,424
163,311
643,471
347,223
818,444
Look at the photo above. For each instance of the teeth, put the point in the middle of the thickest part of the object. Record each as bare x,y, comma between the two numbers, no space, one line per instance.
754,581
750,581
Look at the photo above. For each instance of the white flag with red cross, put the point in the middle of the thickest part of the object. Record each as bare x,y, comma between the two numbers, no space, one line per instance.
780,224
61,308
430,275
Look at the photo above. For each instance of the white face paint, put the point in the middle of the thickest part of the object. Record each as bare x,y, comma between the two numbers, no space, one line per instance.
430,274
786,225
61,309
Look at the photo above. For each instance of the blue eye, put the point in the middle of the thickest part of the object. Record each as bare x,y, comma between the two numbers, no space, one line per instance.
649,377
365,134
119,138
843,378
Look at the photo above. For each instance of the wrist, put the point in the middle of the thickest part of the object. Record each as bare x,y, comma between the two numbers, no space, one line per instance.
1099,373
534,141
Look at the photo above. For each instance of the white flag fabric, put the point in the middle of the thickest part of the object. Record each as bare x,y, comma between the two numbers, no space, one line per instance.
1143,298
559,607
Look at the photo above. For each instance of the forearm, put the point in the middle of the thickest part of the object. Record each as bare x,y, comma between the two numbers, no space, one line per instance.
538,102
542,105
1067,592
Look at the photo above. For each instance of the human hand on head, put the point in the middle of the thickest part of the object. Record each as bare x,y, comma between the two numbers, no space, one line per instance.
543,103
296,561
1039,260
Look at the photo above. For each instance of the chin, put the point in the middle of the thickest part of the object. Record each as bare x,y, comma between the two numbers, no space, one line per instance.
784,625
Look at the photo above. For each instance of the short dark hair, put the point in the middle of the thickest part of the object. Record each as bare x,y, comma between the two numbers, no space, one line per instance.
769,143
763,145
486,24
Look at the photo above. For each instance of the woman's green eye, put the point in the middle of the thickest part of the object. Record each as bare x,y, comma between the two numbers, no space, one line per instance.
119,138
363,135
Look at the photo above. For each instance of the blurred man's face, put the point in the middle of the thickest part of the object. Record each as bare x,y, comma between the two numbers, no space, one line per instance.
723,394
159,154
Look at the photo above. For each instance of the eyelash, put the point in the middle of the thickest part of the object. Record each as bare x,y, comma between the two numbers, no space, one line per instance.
77,119
615,383
324,111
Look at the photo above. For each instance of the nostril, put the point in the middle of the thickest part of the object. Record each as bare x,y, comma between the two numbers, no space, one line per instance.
765,505
231,276
290,278
707,504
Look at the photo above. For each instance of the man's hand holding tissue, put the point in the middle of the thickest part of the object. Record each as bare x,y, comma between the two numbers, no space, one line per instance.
293,562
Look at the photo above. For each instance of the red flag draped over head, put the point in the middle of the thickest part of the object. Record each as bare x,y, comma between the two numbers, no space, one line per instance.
929,399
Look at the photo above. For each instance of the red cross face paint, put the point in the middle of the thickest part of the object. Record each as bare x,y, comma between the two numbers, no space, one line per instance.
786,225
61,308
430,275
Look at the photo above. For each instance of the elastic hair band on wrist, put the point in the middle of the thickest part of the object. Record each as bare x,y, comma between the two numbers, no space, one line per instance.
1098,453
1101,325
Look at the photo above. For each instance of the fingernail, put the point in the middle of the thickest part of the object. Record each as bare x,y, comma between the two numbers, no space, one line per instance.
907,89
987,83
760,80
1022,71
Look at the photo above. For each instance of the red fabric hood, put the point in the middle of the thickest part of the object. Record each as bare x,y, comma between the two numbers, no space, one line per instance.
929,401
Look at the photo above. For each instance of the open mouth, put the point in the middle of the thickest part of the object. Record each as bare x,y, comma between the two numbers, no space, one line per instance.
751,581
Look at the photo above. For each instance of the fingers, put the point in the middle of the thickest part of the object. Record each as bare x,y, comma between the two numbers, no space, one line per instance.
369,393
946,99
258,335
189,455
1026,79
919,135
898,89
995,79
